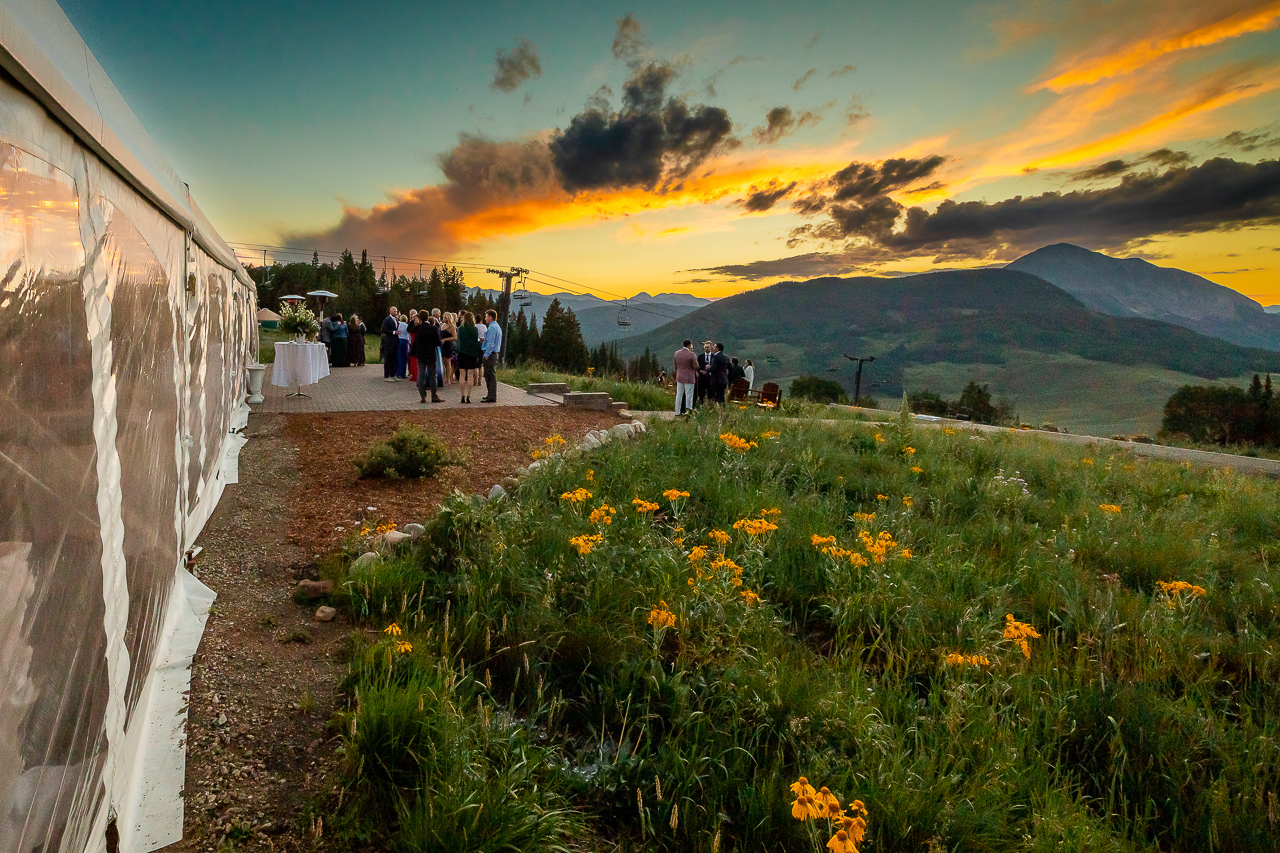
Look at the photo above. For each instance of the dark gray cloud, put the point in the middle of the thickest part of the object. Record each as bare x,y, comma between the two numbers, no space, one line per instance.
1219,194
760,199
780,122
1115,168
1247,142
804,78
808,265
840,72
629,42
651,140
866,181
813,41
516,67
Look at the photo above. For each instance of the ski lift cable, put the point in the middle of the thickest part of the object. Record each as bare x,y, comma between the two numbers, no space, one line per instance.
557,282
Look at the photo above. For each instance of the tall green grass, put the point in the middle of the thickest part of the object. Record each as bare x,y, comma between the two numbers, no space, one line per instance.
539,682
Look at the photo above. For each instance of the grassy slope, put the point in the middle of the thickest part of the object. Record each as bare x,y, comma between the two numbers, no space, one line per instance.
639,396
976,321
539,700
1089,397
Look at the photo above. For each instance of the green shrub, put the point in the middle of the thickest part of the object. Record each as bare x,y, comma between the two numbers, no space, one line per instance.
409,453
818,390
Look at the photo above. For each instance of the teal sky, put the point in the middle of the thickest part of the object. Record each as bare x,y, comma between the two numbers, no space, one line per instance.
280,114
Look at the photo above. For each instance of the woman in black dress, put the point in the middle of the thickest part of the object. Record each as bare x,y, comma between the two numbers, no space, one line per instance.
448,355
355,340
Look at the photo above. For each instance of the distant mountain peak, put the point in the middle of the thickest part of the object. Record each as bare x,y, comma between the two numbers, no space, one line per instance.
1135,287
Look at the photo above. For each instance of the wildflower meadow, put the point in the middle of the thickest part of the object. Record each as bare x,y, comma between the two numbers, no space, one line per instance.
967,641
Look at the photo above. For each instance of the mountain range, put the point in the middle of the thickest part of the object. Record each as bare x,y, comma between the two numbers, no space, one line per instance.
1071,342
599,318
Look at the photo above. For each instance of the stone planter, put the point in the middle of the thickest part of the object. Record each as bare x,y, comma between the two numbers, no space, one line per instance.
256,372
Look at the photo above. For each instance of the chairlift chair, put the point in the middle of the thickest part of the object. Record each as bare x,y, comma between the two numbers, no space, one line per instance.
523,298
623,319
772,359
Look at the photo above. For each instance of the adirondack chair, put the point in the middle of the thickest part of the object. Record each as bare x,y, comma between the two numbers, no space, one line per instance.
770,395
739,390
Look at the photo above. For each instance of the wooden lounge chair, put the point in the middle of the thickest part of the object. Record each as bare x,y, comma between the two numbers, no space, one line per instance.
739,390
770,395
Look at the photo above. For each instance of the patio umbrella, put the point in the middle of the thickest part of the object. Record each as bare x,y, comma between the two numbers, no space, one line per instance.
293,297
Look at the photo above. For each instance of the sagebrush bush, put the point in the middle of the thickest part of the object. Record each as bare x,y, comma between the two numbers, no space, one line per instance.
978,634
409,453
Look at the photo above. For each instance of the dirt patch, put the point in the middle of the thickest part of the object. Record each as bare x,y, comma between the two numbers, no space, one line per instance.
329,495
260,753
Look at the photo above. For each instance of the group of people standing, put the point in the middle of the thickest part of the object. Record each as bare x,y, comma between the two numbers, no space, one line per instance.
707,375
435,350
344,339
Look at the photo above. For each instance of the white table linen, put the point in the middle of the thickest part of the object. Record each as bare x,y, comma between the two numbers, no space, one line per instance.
305,364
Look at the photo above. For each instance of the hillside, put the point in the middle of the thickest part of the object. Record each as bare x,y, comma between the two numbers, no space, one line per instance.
598,318
1132,287
973,321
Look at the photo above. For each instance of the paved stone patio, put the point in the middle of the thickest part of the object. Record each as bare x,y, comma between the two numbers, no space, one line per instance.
362,389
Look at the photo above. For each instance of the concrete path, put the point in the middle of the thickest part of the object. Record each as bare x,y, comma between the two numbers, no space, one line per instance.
362,389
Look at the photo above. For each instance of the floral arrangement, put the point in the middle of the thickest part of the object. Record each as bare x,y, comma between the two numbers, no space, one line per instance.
297,319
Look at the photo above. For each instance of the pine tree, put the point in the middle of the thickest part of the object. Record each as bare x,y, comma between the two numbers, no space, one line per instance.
435,291
533,345
453,287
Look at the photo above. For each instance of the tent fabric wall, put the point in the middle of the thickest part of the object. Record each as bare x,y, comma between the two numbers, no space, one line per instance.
125,327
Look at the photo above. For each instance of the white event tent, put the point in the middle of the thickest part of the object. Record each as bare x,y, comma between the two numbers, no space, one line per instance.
125,326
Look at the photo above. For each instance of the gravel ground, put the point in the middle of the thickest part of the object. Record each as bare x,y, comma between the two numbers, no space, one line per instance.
261,767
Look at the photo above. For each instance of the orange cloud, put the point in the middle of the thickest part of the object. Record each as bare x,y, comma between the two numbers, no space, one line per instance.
523,216
1142,52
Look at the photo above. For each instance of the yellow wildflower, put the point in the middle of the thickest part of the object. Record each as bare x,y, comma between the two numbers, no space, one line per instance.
591,475
1020,632
1111,508
404,646
1086,461
882,497
819,541
770,434
916,469
770,513
750,597
955,659
908,501
698,554
392,630
674,494
949,431
1172,588
661,617
577,496
585,543
643,505
602,514
754,526
879,437
909,451
802,786
734,442
864,516
719,537
556,441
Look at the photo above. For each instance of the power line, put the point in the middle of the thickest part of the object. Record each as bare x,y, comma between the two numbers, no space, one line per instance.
478,267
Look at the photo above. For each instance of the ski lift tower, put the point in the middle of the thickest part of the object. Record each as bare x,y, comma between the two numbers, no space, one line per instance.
504,304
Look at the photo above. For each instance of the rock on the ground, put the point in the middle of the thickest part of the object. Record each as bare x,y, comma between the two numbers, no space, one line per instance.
590,442
313,589
414,530
393,538
325,614
497,492
365,559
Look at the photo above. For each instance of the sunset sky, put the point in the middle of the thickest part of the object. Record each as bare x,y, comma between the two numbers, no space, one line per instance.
708,148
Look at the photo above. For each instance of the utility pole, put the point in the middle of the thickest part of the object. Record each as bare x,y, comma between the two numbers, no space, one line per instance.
504,303
857,378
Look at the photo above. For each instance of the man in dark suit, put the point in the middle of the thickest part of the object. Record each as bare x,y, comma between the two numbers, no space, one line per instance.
704,375
718,367
426,343
390,344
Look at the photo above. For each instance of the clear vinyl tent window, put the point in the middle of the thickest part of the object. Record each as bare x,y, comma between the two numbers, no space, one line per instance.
53,678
